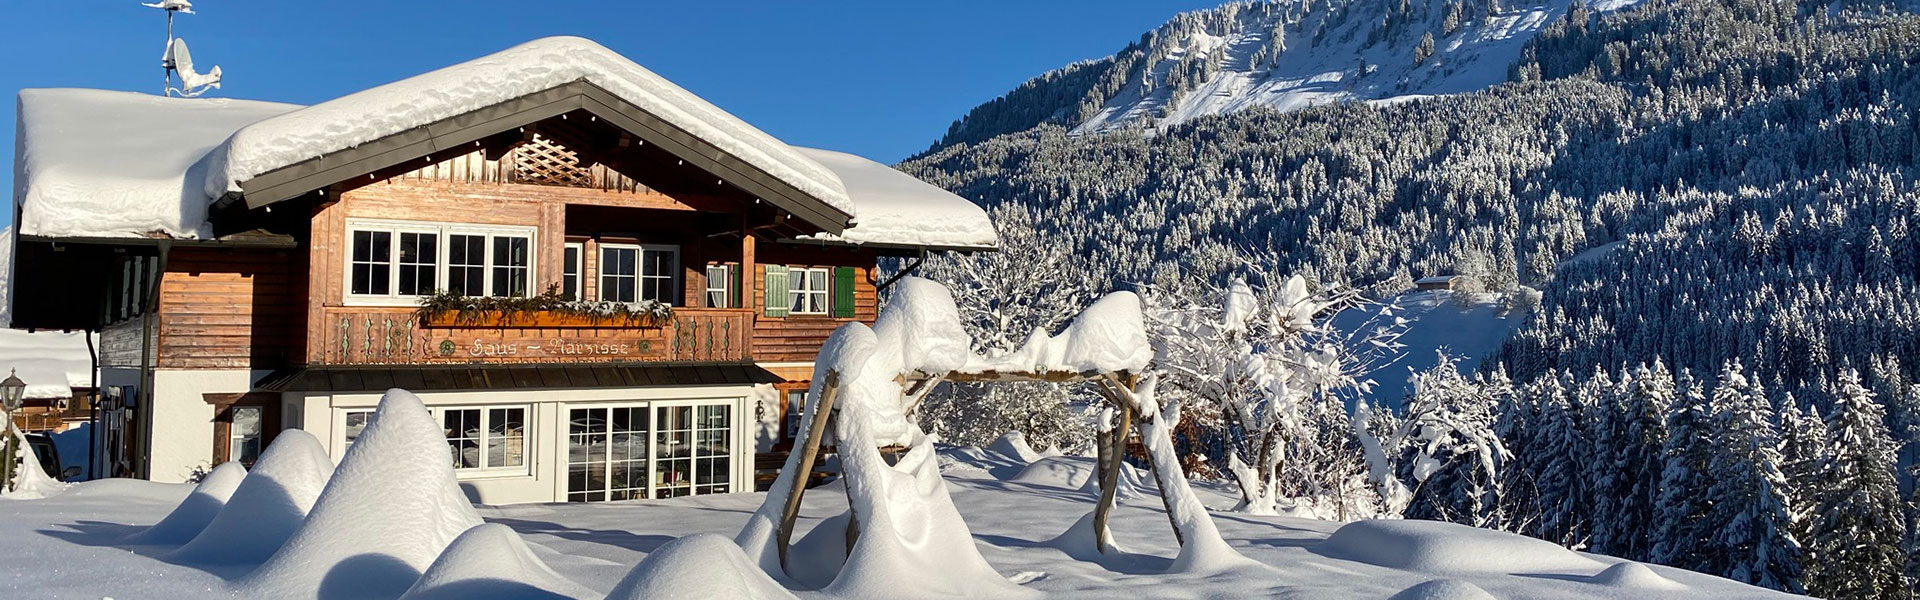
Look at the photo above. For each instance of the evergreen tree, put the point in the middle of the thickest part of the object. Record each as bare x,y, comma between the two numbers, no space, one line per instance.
1679,536
1749,517
1860,526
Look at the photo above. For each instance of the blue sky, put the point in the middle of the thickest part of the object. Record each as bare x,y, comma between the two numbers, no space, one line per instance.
880,79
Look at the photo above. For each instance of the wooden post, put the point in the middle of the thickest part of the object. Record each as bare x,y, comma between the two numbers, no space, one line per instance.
749,280
1112,460
809,451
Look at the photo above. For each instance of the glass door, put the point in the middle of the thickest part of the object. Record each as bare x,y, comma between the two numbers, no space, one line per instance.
694,453
607,453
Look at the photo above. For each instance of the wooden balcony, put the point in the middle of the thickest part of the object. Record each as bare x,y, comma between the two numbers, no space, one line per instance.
394,336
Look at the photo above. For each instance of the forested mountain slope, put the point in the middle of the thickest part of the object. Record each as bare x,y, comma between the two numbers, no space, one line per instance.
1749,153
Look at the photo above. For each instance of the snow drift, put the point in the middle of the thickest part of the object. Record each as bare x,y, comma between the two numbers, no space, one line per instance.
195,512
702,565
1438,547
1633,575
491,562
1443,589
268,506
390,509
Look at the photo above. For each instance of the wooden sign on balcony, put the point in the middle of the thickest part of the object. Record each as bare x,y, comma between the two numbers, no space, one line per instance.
381,335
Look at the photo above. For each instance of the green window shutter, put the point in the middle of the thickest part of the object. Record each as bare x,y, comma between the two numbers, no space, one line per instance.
739,292
776,291
843,292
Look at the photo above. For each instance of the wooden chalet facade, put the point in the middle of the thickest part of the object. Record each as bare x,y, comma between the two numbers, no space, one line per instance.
299,300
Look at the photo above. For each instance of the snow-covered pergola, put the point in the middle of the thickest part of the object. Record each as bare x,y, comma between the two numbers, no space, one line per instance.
868,381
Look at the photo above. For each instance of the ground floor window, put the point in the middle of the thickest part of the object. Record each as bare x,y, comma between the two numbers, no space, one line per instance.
649,451
244,436
478,438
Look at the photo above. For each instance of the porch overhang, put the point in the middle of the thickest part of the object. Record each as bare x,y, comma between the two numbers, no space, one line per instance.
374,379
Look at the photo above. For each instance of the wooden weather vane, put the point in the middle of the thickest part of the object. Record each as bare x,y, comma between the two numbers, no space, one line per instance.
177,60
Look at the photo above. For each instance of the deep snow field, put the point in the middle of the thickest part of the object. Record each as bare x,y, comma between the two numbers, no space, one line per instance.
74,545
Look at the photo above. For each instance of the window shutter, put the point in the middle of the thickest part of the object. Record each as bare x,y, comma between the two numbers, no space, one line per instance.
739,292
843,292
776,291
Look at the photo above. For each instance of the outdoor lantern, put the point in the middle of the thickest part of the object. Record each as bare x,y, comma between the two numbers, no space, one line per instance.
11,391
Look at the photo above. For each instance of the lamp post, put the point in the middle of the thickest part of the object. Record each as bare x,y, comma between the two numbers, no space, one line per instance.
12,391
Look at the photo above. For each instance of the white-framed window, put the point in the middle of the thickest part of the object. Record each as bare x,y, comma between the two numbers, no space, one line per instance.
244,434
480,439
658,449
395,262
631,273
485,437
808,290
571,256
719,286
796,410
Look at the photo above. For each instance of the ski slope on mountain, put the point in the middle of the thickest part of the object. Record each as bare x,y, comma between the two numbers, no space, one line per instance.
1306,54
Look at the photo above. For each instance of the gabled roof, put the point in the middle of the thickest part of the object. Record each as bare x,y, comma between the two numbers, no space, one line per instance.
98,164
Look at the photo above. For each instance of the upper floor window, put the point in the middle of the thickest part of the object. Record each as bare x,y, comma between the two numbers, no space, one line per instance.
807,290
632,273
570,270
397,262
719,286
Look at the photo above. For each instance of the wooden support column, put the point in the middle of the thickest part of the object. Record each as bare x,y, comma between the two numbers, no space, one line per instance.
1112,458
809,451
750,281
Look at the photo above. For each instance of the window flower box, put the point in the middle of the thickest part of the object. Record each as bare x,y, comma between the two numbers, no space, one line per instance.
549,310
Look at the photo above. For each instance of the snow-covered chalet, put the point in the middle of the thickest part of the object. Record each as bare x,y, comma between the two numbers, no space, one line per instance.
603,286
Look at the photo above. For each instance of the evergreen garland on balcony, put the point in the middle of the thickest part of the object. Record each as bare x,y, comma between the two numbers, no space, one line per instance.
478,310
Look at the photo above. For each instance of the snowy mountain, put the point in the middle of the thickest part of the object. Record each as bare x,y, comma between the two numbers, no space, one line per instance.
1283,54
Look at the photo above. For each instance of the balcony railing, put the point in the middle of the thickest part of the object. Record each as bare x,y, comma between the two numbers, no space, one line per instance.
395,335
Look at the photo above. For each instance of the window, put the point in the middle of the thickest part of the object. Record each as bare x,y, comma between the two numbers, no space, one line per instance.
719,286
796,409
660,450
467,264
510,266
419,263
486,438
570,271
372,262
396,263
635,273
356,421
807,290
243,436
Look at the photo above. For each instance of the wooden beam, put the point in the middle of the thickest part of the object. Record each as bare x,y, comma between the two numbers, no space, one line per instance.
1112,460
810,450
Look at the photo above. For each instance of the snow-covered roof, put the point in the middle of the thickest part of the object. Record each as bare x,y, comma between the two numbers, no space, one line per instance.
1437,279
98,163
94,163
894,208
52,363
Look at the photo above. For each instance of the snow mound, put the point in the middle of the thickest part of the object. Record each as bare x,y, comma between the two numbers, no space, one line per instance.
30,482
391,508
199,509
1014,445
1108,336
491,562
1080,473
1080,542
1443,589
702,565
268,506
1634,575
1437,547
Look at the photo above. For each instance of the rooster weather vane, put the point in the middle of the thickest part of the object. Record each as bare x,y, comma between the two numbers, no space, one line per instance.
177,60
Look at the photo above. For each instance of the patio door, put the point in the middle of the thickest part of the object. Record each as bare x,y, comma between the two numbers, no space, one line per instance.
658,450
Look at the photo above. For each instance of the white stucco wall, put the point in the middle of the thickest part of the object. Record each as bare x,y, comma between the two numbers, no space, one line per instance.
183,421
544,480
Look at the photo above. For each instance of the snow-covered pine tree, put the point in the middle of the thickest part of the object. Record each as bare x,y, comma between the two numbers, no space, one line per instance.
1749,516
1679,536
1803,456
1649,399
1611,483
1561,440
1454,456
1860,525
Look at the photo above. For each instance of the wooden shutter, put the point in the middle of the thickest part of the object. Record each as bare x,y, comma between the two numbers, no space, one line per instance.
776,291
843,292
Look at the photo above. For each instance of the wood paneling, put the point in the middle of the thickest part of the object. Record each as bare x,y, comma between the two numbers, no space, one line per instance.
227,309
797,338
393,336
